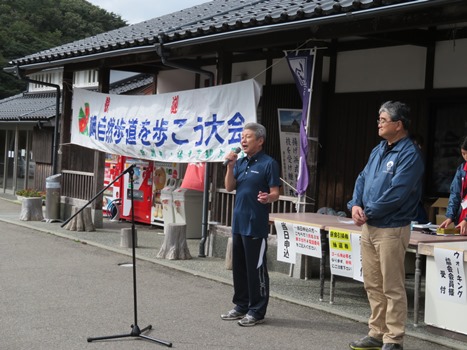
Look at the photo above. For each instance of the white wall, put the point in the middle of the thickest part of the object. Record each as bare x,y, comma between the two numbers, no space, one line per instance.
451,64
248,70
175,80
53,76
383,69
180,79
392,68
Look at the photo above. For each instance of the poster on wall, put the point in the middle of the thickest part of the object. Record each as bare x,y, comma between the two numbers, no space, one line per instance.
289,138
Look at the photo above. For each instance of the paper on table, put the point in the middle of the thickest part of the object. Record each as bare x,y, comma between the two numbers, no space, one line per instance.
345,220
428,226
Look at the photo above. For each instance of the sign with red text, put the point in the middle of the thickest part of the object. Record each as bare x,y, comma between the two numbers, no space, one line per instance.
307,240
340,253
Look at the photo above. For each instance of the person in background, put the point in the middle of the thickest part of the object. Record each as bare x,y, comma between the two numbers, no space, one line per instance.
457,206
384,203
256,179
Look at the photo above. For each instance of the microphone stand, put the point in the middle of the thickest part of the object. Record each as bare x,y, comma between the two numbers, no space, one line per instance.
135,330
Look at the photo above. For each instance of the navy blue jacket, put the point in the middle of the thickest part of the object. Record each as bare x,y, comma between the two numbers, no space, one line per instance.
390,186
454,206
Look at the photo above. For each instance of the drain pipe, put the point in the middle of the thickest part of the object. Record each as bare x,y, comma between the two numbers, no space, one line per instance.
19,74
207,168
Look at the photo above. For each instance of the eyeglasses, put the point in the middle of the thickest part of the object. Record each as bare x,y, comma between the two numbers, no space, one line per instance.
384,121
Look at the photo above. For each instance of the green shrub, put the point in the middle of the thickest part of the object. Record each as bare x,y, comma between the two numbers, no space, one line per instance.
28,192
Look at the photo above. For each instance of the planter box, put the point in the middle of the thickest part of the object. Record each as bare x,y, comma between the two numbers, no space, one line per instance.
31,209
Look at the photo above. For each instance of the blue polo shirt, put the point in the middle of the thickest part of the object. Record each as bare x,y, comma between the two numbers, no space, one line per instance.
258,173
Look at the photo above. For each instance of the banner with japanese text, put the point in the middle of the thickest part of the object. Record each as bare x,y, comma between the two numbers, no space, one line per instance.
451,275
285,241
301,64
295,239
307,240
340,253
289,138
345,256
200,125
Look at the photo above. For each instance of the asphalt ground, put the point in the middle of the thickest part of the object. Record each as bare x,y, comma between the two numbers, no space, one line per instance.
59,289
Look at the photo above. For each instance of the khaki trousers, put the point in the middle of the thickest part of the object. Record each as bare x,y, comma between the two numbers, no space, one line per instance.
383,255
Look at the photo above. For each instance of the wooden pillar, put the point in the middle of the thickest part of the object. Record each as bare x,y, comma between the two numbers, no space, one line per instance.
99,158
5,160
224,76
224,67
15,159
65,129
28,150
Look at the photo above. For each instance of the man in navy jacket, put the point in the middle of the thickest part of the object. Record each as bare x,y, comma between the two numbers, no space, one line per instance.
384,203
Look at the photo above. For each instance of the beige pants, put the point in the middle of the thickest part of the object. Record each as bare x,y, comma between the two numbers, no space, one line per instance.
383,255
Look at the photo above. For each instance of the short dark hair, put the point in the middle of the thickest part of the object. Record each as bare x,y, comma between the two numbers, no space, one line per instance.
397,111
463,144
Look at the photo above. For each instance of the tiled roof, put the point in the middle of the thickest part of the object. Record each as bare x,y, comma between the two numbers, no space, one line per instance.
214,17
37,106
28,107
131,84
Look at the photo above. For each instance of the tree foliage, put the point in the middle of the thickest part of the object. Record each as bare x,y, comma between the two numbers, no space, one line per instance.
30,26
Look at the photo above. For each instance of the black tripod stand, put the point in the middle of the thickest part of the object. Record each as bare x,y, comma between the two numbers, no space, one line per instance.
135,330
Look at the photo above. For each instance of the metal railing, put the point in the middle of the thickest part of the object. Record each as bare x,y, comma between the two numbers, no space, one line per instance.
224,202
77,184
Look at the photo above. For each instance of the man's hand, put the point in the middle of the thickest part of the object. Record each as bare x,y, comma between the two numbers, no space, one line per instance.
358,215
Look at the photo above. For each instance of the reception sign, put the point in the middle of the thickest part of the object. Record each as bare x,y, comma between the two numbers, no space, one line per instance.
295,239
340,253
285,241
345,255
200,125
451,275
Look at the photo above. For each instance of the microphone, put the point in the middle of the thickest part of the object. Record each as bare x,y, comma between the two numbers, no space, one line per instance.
236,151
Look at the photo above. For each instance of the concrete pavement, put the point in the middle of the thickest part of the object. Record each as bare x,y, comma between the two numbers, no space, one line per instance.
57,292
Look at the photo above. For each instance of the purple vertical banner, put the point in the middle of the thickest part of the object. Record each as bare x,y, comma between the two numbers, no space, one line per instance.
301,66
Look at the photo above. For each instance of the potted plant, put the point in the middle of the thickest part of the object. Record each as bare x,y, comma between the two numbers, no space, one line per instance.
29,193
31,204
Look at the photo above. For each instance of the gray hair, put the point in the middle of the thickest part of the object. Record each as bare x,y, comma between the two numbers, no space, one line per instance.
258,129
397,111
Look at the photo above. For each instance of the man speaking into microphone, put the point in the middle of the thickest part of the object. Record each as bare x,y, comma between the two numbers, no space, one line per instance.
256,179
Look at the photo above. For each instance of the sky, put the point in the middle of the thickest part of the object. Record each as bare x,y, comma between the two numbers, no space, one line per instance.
135,11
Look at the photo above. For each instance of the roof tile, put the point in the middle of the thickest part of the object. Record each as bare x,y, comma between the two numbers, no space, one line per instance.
204,19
